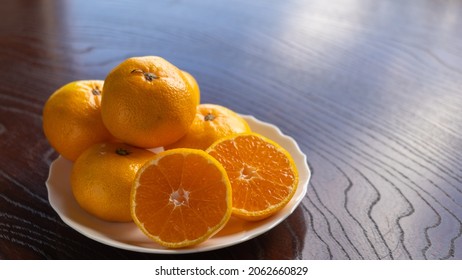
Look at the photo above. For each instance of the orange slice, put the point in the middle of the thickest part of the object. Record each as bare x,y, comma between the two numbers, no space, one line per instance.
181,197
263,175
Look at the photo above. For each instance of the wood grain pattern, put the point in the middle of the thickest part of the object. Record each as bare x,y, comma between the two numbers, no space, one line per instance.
371,91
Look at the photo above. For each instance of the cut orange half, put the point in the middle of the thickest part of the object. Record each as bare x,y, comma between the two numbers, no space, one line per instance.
263,175
181,197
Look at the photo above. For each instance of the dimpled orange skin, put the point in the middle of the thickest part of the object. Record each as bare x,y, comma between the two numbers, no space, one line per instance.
195,86
72,118
147,102
212,122
102,178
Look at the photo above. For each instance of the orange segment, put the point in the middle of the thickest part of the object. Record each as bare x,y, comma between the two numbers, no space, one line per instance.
263,175
181,198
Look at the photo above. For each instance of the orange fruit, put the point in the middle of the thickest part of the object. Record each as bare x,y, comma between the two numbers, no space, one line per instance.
72,118
212,122
195,86
263,175
102,177
181,197
147,102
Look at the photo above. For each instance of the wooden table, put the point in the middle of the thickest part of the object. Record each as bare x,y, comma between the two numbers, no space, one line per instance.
371,91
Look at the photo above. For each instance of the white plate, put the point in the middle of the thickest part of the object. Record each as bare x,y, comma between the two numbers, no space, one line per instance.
127,236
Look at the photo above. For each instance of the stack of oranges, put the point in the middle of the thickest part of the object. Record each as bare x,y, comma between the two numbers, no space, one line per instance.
210,165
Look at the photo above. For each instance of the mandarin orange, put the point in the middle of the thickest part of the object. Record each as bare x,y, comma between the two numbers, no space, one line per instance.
102,178
181,198
72,118
147,102
212,122
263,174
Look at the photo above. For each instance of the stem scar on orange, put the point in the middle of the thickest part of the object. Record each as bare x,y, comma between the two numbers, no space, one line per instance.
263,174
181,198
148,102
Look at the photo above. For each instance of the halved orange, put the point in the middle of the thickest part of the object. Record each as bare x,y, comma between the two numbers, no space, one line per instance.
263,174
181,197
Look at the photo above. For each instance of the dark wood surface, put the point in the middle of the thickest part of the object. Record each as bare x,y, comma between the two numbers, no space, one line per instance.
371,91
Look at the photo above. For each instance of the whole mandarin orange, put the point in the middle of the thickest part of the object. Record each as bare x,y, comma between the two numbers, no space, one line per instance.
72,118
212,122
147,102
102,177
